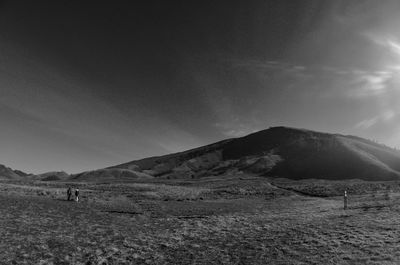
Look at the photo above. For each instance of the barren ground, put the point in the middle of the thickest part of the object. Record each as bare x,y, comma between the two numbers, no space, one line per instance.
241,220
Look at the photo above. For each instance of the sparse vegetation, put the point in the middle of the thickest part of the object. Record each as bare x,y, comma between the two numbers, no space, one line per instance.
233,220
218,204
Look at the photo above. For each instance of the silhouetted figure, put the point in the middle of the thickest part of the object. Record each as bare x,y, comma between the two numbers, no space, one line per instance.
69,193
77,195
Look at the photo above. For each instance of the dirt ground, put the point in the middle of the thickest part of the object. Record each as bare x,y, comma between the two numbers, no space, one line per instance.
242,220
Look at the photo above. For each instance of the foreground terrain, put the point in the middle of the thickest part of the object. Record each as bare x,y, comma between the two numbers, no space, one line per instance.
236,220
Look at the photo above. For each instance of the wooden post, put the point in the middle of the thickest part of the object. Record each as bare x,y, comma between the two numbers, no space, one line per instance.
387,195
345,200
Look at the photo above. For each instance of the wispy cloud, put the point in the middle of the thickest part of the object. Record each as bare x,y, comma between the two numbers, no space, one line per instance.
283,68
387,41
385,117
356,83
365,124
368,83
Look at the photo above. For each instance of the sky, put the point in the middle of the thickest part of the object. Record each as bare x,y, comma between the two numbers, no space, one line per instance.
91,84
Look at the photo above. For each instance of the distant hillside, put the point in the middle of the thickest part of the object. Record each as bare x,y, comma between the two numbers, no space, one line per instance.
109,175
278,152
8,173
54,175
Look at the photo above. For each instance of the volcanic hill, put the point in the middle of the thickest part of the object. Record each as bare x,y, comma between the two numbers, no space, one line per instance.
276,152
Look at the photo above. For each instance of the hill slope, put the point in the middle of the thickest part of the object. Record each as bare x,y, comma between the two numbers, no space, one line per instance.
110,175
279,152
53,175
8,173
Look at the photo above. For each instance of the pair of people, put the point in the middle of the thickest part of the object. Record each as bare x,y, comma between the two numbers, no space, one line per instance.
69,194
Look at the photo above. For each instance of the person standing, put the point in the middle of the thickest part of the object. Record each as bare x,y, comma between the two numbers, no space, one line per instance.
69,193
77,195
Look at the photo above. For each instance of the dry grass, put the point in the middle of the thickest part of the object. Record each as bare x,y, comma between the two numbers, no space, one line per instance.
134,224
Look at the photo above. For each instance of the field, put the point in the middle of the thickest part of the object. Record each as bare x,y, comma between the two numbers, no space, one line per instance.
236,220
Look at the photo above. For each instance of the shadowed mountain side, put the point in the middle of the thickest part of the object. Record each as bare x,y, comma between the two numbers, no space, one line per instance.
308,154
21,173
8,173
54,175
275,152
160,165
109,175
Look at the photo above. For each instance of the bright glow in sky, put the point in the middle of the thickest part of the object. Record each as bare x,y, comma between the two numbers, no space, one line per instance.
87,86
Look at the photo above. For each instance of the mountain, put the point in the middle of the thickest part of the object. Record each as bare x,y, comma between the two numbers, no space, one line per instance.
8,173
109,175
276,152
54,175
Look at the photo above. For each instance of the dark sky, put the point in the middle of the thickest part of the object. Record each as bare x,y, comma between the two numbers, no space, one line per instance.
89,84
